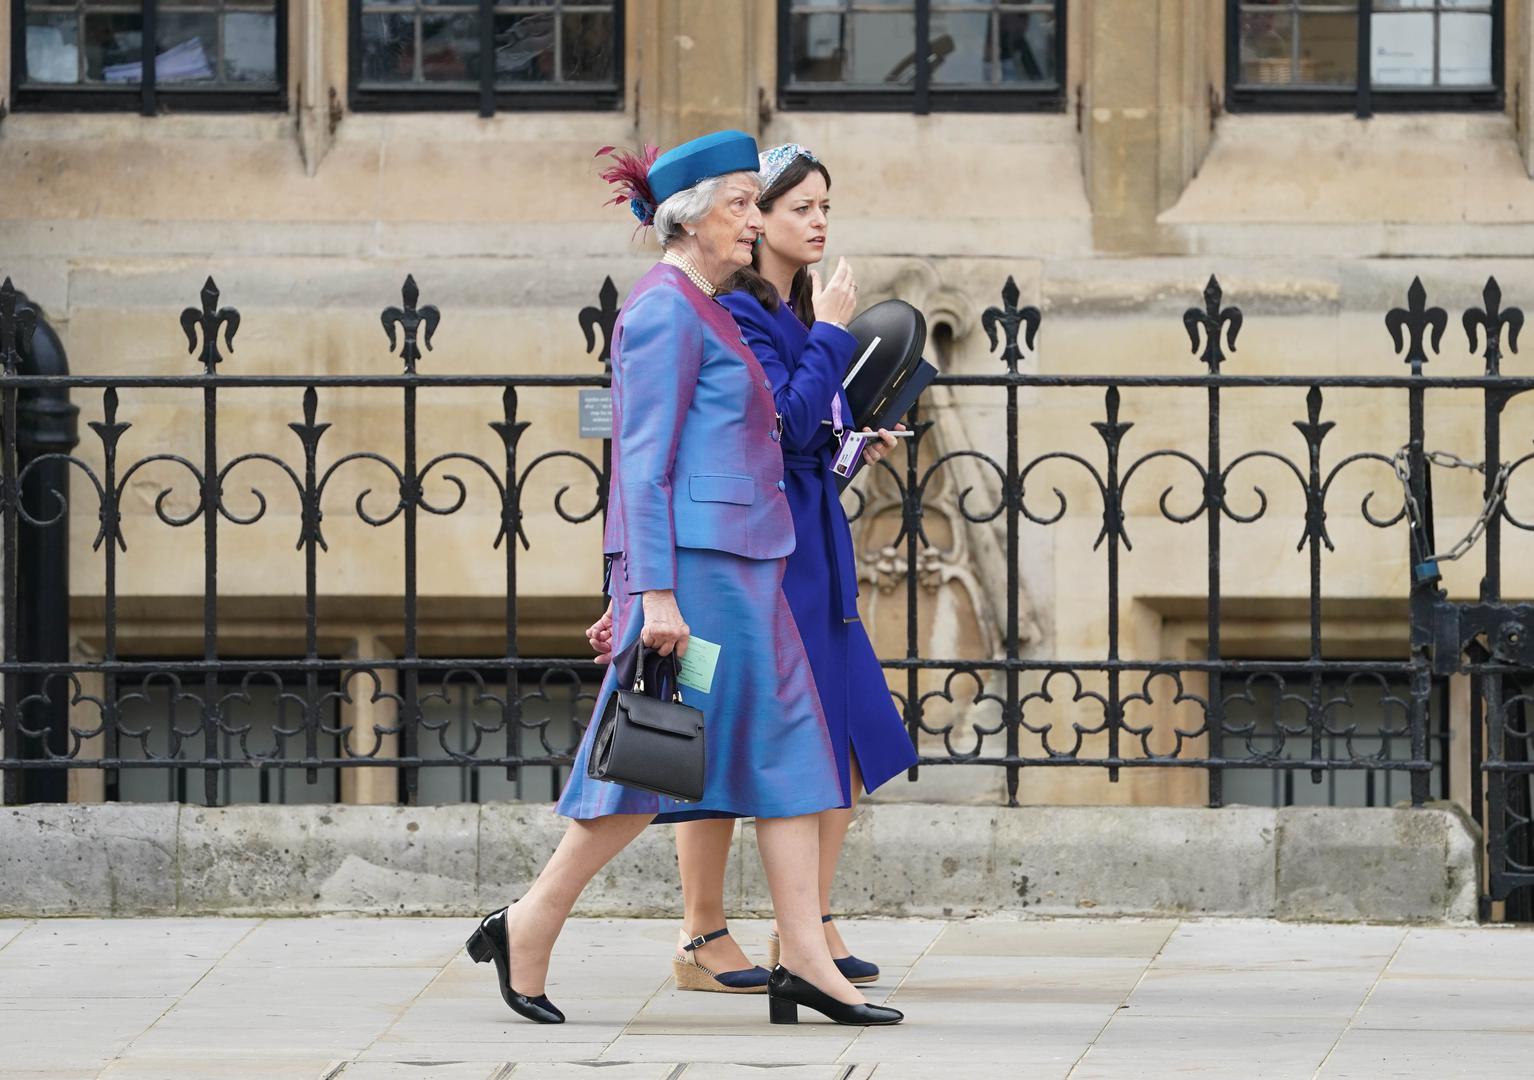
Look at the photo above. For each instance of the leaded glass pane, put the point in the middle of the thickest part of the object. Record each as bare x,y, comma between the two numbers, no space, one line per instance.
53,47
1428,43
586,47
450,48
1288,43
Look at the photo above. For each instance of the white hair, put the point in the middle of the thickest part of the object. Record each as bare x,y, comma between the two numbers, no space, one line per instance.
691,205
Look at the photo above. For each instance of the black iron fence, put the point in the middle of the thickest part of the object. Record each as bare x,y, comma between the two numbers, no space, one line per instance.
1377,726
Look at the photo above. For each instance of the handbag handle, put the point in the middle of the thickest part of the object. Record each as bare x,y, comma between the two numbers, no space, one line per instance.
668,659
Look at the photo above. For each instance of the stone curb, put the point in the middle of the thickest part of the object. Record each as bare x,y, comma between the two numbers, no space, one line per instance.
911,859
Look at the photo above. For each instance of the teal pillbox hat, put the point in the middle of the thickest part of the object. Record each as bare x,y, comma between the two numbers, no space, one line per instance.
712,155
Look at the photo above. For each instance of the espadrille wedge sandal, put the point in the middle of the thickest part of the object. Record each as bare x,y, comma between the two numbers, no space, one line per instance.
692,975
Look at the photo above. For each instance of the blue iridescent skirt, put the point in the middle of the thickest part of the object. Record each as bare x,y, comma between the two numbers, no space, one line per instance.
767,750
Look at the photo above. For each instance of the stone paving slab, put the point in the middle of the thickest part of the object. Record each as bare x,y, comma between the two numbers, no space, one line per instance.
1074,999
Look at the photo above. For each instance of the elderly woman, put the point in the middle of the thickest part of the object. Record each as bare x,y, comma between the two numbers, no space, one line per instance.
698,523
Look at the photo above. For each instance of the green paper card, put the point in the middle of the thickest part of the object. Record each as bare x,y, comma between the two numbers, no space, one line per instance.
698,665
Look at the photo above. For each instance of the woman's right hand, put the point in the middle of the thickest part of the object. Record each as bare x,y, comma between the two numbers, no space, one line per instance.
600,635
663,628
837,299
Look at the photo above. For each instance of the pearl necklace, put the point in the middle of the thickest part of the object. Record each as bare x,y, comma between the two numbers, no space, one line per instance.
682,263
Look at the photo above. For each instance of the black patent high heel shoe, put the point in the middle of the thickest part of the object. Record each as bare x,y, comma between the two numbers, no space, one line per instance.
489,943
787,991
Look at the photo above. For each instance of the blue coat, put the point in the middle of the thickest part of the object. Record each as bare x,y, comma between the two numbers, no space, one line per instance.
805,367
696,460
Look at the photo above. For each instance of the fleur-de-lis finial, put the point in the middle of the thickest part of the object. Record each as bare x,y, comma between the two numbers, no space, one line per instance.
17,322
209,319
602,317
1416,319
1494,319
1011,318
309,433
510,429
1315,430
109,430
1112,431
409,319
1214,320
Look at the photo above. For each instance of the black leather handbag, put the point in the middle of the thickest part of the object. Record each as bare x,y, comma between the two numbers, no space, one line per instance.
646,737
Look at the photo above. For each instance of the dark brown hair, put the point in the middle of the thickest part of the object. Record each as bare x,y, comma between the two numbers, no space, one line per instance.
749,278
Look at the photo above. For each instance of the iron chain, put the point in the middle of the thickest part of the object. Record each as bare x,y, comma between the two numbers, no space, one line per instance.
1444,459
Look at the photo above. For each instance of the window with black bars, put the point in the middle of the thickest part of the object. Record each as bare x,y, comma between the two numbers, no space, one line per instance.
1365,56
921,55
161,717
206,54
547,54
1267,717
462,713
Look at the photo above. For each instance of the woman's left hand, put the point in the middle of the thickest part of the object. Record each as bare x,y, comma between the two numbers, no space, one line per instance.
880,448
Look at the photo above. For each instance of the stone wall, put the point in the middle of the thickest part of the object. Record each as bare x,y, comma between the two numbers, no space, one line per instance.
1330,865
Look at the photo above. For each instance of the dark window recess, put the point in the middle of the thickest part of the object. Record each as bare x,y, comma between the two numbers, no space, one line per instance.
91,55
255,716
551,54
1364,718
466,714
921,55
1364,56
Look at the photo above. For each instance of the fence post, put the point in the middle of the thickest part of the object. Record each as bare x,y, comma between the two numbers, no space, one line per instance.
45,427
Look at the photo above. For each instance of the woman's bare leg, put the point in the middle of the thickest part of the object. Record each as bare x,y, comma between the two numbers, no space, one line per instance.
833,831
703,856
790,850
534,922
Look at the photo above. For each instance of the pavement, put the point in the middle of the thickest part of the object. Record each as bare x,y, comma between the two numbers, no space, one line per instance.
385,999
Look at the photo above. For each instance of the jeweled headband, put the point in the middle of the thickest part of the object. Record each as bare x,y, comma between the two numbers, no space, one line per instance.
772,163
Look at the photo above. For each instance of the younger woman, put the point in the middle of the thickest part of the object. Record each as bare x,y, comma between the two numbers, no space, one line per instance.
797,329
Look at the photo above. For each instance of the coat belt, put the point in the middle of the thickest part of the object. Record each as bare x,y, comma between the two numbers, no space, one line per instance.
844,575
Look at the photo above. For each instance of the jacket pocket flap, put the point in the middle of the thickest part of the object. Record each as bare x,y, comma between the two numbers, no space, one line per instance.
665,716
722,487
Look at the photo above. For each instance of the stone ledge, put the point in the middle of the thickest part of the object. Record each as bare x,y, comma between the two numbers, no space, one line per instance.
1335,865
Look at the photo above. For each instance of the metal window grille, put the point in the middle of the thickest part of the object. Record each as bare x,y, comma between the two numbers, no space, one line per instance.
259,715
415,54
1362,717
463,708
207,54
922,55
1365,55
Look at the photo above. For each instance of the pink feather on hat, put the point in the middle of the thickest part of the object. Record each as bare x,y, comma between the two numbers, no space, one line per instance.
629,176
